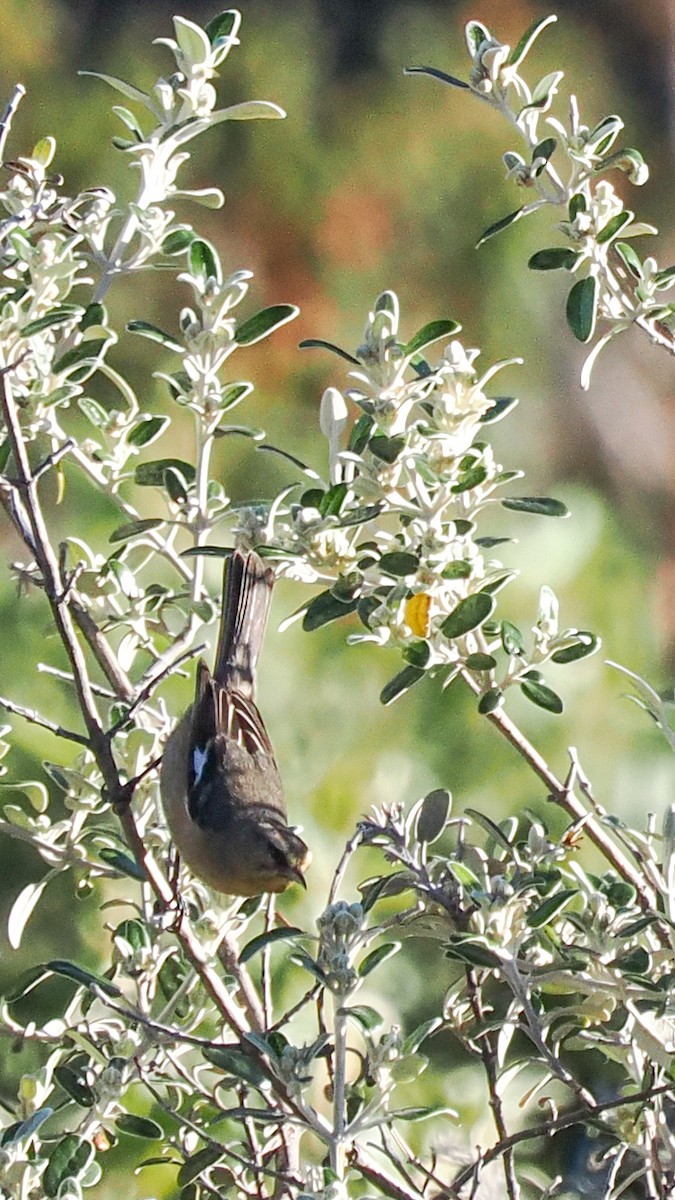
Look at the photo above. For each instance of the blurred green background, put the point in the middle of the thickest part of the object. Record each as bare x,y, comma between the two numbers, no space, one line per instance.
380,181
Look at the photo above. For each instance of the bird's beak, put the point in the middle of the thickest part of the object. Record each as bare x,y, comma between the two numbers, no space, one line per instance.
296,876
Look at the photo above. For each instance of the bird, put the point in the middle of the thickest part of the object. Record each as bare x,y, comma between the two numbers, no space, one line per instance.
221,791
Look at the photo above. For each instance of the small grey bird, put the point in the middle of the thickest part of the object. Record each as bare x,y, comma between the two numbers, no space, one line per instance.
220,785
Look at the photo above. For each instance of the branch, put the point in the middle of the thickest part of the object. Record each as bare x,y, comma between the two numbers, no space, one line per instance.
48,564
489,1057
575,1117
566,799
6,119
29,714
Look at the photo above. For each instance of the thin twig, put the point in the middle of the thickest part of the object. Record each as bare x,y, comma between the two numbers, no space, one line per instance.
387,1185
227,953
489,1057
146,691
6,119
53,585
566,799
29,714
546,1130
52,459
66,677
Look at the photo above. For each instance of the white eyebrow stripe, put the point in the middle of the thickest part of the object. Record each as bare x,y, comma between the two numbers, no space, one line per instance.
199,760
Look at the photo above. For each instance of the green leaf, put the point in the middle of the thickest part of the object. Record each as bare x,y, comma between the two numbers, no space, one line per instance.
431,333
417,653
141,1127
204,262
154,334
60,966
399,563
324,608
489,542
554,259
25,983
587,644
94,411
124,532
544,150
222,27
512,639
414,1040
468,615
476,34
235,1062
320,344
605,134
368,1018
473,952
436,74
331,501
135,933
75,1086
387,885
541,695
614,226
68,1160
386,448
542,506
233,394
120,85
459,569
577,205
632,162
151,474
196,1163
422,1112
264,323
630,257
470,479
581,309
480,662
433,815
665,279
500,406
147,430
550,908
490,827
258,943
86,352
94,314
175,486
504,223
490,701
361,430
63,315
23,1130
528,39
379,955
122,862
207,551
358,516
249,110
22,909
400,683
462,873
177,241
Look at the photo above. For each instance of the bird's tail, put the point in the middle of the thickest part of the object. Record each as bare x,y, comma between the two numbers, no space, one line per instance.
247,595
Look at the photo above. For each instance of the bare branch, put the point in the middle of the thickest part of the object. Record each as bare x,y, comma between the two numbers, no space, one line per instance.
29,714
